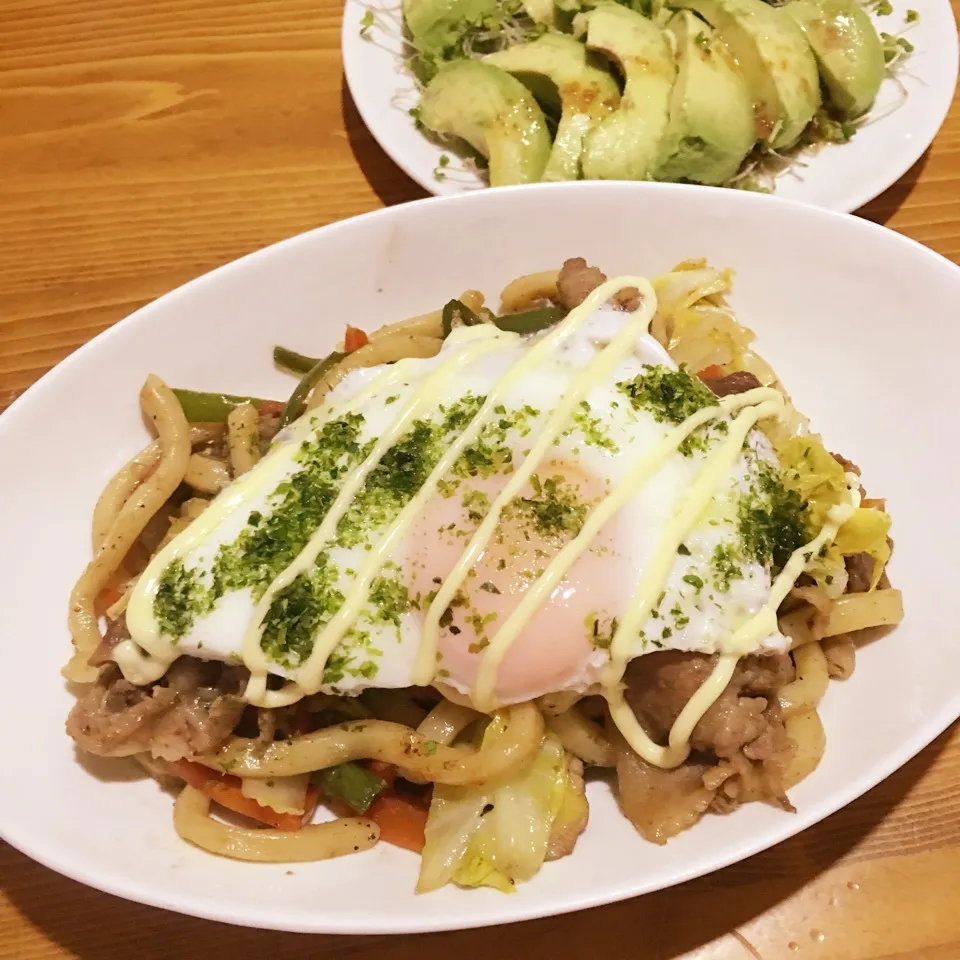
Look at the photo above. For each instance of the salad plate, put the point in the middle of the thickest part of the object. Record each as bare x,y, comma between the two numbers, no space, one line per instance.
909,109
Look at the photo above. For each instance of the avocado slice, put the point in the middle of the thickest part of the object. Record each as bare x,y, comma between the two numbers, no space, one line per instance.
848,49
436,25
494,113
711,126
541,11
776,61
626,144
585,90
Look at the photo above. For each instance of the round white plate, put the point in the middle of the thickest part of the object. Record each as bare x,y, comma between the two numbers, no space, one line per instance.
852,317
903,123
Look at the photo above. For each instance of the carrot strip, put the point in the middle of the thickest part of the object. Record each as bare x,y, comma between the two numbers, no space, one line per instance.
401,822
105,599
354,339
225,789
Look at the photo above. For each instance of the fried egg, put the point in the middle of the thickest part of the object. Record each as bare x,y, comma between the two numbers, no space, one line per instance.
256,572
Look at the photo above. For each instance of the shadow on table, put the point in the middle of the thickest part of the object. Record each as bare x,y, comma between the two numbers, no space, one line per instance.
393,186
389,182
882,208
95,926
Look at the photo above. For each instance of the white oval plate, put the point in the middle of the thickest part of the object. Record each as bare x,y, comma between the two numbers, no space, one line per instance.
852,317
908,113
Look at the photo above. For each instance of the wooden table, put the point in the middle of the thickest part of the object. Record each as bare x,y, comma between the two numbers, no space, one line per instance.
143,143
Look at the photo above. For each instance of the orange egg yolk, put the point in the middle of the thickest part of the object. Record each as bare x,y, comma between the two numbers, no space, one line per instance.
555,645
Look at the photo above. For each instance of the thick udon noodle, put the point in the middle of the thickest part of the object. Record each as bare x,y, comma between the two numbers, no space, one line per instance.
423,745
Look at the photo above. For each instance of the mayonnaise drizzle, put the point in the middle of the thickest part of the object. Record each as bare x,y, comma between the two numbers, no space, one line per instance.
743,641
678,741
659,567
481,339
597,370
310,676
145,659
689,509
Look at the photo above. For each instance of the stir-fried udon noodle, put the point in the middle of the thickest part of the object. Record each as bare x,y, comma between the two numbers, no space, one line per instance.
476,557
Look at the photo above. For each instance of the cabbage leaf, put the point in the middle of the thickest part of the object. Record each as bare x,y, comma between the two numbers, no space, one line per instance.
495,834
283,794
820,480
866,532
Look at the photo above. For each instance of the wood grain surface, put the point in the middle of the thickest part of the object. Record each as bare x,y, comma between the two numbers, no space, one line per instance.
143,142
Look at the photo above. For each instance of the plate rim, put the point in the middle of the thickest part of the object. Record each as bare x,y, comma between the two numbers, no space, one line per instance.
349,53
926,732
747,197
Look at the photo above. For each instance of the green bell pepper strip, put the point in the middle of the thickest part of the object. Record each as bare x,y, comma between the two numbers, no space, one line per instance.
352,784
297,403
531,321
454,310
200,407
293,361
